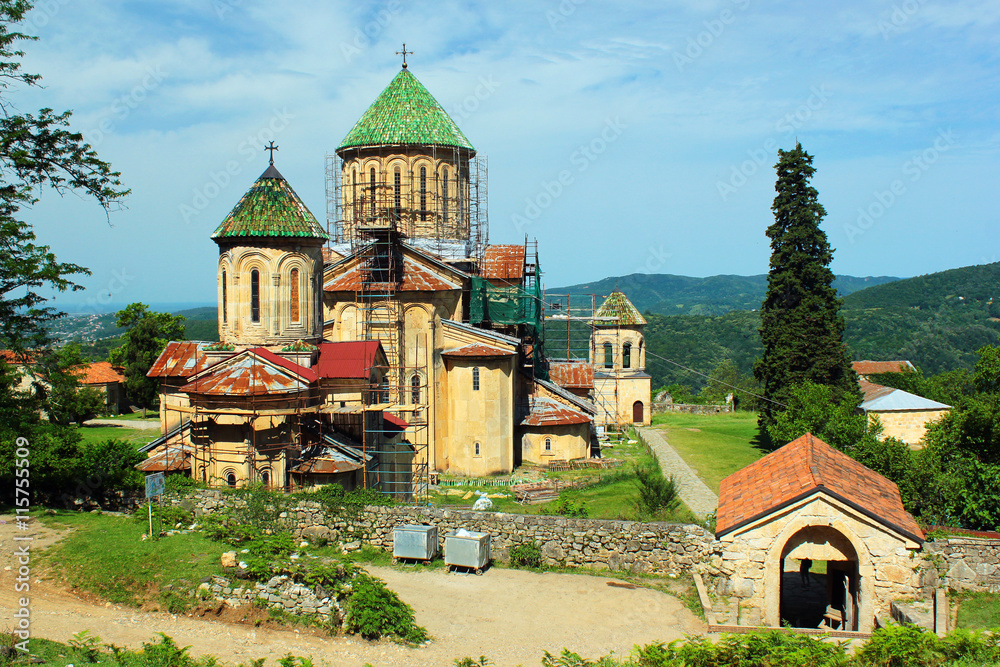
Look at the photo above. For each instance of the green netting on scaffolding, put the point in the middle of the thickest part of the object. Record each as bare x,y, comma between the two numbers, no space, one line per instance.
504,305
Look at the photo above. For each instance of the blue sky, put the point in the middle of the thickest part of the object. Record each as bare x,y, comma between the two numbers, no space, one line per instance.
662,119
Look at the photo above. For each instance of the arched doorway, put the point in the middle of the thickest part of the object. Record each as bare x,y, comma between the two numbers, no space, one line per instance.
637,412
820,583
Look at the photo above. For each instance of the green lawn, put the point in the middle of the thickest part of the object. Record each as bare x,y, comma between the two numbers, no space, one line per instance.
101,433
106,556
978,611
713,445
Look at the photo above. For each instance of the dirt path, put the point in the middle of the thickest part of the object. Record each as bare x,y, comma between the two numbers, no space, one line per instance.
510,616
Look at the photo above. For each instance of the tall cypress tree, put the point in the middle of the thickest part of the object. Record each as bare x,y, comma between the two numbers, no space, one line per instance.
801,327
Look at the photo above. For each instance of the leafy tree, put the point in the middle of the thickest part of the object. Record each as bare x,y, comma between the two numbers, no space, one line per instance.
68,400
146,334
987,371
801,328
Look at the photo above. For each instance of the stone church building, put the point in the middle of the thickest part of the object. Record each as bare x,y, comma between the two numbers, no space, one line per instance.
393,343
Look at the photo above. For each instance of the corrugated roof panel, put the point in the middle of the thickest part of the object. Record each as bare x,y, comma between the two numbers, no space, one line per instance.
348,359
180,359
548,412
572,374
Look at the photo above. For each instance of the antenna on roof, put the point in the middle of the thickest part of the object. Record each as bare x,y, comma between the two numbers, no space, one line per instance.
271,147
404,53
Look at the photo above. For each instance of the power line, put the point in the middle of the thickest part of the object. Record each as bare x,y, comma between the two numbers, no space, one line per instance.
711,379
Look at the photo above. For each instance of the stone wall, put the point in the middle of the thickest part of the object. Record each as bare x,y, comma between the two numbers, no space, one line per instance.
662,406
617,545
278,593
964,563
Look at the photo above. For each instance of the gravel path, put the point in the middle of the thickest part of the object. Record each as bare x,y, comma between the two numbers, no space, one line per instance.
144,424
695,494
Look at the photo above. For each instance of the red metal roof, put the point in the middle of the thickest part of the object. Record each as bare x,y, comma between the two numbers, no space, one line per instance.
503,262
870,367
349,359
168,458
99,372
802,466
548,412
393,420
416,278
179,359
251,373
572,374
477,350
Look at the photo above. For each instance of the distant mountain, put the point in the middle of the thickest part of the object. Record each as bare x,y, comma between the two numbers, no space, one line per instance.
715,295
937,321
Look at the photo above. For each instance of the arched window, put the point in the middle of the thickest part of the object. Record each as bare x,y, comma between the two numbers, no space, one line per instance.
265,477
255,296
293,295
444,196
423,193
415,388
397,194
204,474
627,355
371,190
548,444
478,449
475,378
354,194
609,356
224,314
459,182
231,478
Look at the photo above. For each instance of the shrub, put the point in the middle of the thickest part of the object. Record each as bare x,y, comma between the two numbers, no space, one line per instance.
374,611
165,516
901,646
657,494
526,555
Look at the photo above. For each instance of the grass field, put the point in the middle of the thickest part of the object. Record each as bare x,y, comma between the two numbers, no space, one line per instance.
100,433
978,611
106,556
713,445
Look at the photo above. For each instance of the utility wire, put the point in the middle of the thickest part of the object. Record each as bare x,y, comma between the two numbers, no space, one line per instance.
711,379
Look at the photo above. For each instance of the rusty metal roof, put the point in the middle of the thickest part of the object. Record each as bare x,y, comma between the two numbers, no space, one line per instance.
477,350
168,458
415,278
871,367
503,262
572,374
253,372
549,412
181,359
349,359
800,468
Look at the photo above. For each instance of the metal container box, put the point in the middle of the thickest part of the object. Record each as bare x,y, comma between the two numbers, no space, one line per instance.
471,550
415,542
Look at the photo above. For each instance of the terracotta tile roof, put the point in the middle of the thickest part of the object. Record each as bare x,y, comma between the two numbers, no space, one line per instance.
405,113
503,262
572,374
253,372
12,357
871,367
549,412
416,278
270,208
349,359
801,467
619,307
477,350
99,372
180,359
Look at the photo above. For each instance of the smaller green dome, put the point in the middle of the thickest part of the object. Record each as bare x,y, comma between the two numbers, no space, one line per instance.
270,208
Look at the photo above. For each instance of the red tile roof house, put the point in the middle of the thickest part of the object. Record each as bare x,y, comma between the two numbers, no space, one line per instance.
809,501
106,379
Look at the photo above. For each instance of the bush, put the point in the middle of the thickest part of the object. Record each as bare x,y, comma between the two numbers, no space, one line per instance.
657,494
374,611
165,516
526,555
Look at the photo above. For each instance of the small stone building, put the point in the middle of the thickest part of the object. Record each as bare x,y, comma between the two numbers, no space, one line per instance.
808,501
903,415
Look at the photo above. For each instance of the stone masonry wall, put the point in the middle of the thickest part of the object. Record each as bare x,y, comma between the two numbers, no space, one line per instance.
964,563
277,593
617,545
661,407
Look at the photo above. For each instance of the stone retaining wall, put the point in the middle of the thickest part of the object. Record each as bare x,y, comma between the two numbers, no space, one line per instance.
660,408
965,563
617,545
278,593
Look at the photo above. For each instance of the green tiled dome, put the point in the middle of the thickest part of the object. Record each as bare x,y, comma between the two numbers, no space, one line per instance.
618,306
270,208
405,113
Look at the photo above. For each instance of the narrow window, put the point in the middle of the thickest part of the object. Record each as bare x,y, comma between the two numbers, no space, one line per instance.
231,479
459,188
415,388
548,444
204,474
265,478
609,356
224,315
397,194
384,394
478,449
475,378
293,294
423,194
444,196
354,194
255,296
627,355
371,178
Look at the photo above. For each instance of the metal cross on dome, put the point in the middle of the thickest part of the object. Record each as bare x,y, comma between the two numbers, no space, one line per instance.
404,53
271,147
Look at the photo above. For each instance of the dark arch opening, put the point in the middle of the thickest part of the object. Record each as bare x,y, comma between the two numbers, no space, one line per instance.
820,584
